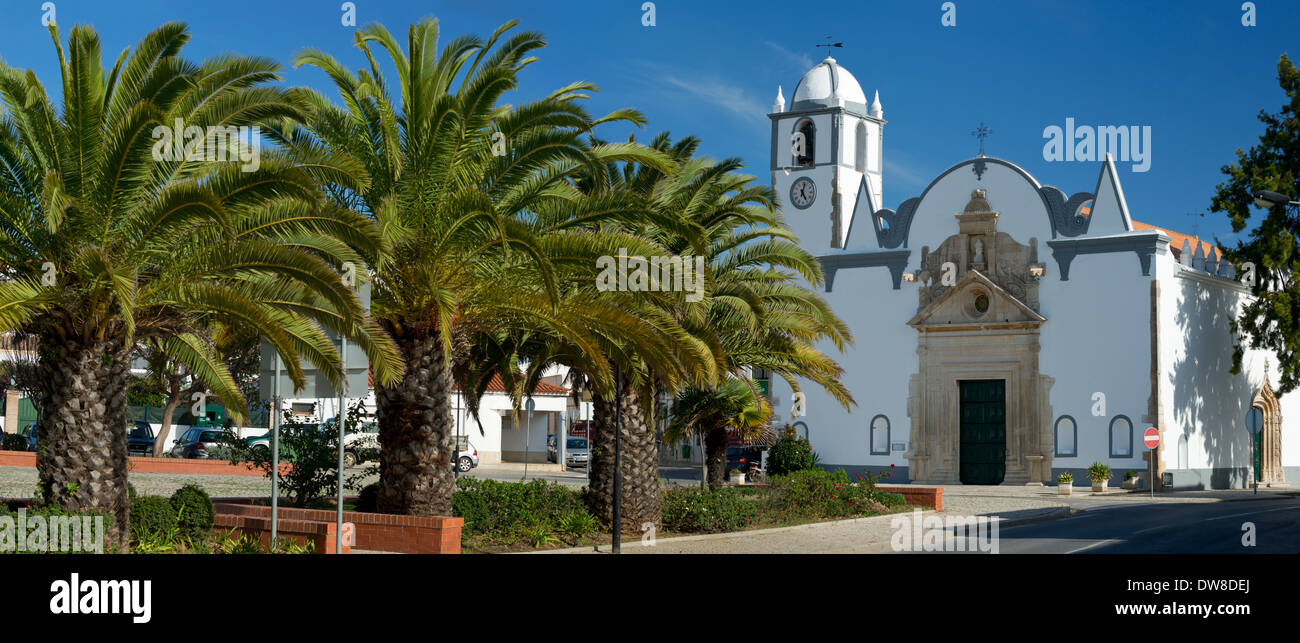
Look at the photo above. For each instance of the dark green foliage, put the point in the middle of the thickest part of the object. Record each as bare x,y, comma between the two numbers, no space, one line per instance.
789,454
1270,320
10,510
130,491
513,512
14,442
816,493
367,500
152,517
194,512
709,511
309,450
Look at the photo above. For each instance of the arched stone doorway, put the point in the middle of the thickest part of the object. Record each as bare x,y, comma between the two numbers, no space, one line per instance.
1270,438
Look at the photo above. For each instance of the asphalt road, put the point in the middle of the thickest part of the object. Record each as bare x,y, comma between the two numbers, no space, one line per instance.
1164,528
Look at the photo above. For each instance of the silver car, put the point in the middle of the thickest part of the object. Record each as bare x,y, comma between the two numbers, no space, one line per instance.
577,451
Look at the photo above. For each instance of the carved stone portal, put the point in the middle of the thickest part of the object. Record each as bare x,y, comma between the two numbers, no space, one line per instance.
982,325
1271,473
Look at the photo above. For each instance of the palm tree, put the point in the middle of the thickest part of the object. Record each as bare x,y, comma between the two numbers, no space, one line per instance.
455,182
758,314
111,236
734,409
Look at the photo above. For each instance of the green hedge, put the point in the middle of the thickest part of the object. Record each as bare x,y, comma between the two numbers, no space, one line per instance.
507,512
153,519
709,510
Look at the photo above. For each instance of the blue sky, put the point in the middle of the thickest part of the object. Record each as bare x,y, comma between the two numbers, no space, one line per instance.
1190,70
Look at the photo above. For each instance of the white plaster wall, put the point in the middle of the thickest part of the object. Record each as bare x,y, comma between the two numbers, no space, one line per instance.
813,225
1201,398
1096,340
876,370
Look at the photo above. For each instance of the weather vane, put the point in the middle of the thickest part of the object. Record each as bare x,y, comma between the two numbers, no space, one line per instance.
830,44
981,133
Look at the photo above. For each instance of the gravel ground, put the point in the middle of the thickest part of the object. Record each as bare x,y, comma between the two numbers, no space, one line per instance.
20,482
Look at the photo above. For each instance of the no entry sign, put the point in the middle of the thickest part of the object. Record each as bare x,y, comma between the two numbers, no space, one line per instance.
1151,437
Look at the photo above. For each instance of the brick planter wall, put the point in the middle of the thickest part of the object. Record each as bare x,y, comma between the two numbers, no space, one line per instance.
139,464
377,532
320,534
921,496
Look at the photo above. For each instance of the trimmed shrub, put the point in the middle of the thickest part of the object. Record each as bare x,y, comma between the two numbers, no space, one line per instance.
194,512
509,512
152,519
789,454
689,509
14,442
815,493
368,499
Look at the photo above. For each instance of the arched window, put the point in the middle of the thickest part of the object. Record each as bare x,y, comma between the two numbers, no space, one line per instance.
1121,437
880,435
801,429
860,148
1067,433
1182,452
804,140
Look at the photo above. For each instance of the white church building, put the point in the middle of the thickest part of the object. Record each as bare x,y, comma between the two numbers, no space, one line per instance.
1006,331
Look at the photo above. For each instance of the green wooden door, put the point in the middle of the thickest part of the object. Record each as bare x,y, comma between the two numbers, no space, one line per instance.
983,431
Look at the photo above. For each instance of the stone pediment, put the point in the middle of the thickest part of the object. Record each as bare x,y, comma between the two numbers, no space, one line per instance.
975,302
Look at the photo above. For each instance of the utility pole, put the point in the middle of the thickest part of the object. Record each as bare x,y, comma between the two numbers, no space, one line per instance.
275,453
343,360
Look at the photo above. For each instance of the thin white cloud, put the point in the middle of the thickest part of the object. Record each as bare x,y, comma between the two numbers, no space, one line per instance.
904,175
803,61
729,98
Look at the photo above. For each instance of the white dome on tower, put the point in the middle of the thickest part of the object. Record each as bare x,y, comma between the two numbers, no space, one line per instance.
828,84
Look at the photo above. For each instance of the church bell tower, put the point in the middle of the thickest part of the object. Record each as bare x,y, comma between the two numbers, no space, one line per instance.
826,154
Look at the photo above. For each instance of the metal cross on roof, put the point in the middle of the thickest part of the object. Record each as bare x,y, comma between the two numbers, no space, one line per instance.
981,133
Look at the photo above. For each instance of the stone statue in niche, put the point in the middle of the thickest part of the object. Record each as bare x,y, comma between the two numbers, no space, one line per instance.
1006,262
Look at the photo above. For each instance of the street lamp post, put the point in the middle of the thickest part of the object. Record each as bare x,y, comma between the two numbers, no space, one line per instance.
618,463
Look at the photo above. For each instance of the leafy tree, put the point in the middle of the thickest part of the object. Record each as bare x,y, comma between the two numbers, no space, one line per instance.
1271,320
110,239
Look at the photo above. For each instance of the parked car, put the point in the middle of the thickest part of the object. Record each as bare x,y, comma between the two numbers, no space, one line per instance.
198,442
577,451
140,439
745,459
467,458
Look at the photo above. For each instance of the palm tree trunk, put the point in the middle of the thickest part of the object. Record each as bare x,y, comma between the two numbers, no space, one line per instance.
640,464
715,448
81,458
415,430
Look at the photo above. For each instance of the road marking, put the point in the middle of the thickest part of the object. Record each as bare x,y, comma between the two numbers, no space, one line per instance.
1251,513
1100,543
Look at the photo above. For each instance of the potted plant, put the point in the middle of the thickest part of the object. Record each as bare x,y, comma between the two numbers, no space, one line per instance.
737,476
1099,474
1065,484
1130,480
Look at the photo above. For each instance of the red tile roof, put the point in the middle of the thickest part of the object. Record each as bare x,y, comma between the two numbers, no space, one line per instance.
1176,240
